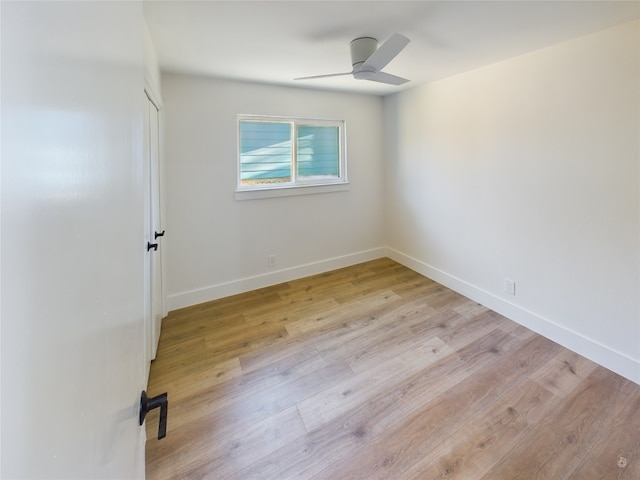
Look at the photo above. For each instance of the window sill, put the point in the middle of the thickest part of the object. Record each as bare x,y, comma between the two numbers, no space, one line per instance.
290,191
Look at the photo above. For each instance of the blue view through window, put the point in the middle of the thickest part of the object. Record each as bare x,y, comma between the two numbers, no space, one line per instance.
318,151
289,152
265,152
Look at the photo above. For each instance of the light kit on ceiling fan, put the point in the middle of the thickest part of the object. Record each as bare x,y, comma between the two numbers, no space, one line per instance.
368,60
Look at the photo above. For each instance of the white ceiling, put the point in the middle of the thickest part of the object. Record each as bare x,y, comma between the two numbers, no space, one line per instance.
276,41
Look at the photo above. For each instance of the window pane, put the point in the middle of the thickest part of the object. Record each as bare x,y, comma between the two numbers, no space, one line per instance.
265,152
318,152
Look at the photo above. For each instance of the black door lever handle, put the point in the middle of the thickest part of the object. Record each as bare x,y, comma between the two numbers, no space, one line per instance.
156,234
147,404
153,246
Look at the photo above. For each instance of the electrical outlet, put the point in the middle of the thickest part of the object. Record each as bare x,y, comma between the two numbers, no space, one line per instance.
271,260
510,286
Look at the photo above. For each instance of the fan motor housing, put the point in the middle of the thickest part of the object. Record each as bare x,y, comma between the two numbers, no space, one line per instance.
361,49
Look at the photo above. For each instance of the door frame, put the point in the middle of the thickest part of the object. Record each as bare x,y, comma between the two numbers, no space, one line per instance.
155,308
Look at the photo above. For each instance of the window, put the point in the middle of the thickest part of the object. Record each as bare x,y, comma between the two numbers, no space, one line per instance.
277,153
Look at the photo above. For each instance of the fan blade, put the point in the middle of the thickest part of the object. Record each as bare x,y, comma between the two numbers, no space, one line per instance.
387,52
383,77
323,76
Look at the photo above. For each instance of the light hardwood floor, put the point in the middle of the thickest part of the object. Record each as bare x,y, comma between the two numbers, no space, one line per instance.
375,372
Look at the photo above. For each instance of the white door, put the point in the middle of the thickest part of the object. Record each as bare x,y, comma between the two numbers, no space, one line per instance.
72,240
155,231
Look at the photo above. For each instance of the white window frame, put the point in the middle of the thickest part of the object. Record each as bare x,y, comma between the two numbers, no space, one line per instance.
296,186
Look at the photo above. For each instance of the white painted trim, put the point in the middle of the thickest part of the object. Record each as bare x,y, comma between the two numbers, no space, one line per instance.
291,190
213,292
601,354
298,186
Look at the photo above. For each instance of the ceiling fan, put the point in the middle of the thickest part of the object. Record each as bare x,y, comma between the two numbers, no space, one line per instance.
368,60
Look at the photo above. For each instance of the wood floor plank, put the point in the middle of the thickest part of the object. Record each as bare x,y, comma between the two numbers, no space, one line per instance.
195,378
358,388
333,318
333,442
616,452
232,453
560,443
458,331
376,372
339,438
442,415
564,373
229,408
364,340
486,438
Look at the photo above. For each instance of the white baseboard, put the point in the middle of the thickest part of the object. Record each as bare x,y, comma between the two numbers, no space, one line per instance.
591,349
213,292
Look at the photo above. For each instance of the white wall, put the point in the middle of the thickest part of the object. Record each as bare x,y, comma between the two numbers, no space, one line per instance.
72,240
217,245
529,169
